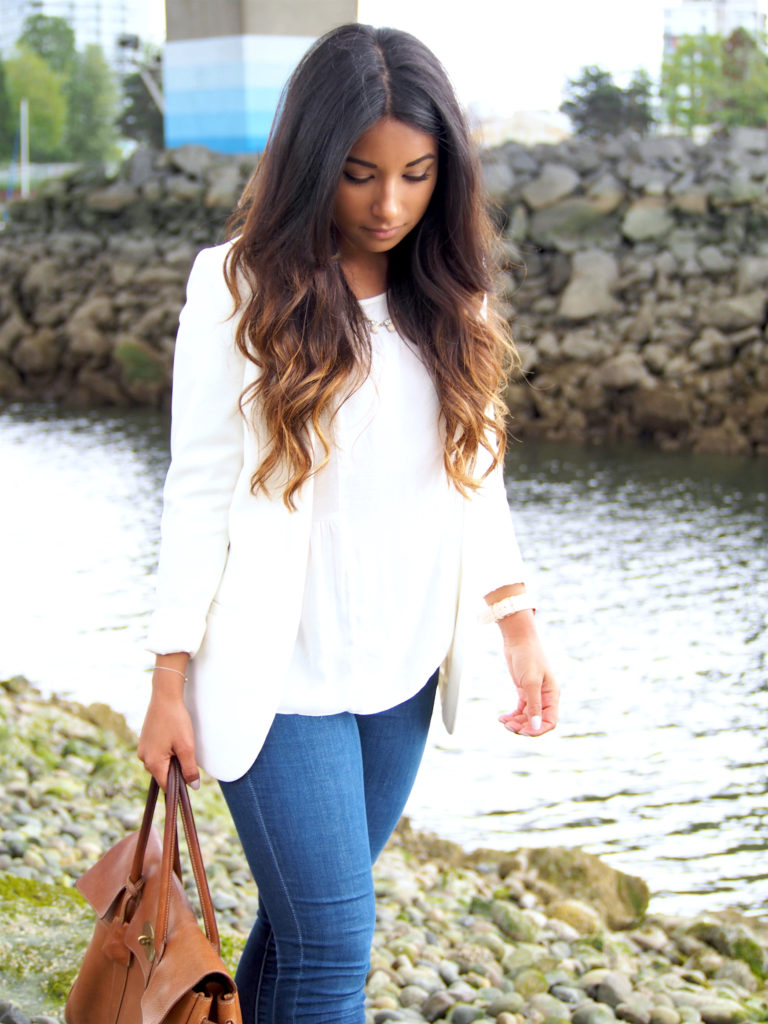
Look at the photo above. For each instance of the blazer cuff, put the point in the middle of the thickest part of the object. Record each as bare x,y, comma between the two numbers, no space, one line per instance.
176,629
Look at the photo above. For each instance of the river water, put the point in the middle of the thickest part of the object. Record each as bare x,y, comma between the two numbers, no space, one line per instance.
651,572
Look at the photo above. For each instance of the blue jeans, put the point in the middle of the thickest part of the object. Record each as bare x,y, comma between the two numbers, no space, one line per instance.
313,813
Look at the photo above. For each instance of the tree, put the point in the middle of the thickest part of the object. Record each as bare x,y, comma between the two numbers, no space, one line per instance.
710,80
6,122
91,135
30,78
638,103
52,39
140,118
597,106
743,95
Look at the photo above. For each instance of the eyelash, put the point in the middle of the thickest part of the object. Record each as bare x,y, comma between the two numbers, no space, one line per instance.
362,181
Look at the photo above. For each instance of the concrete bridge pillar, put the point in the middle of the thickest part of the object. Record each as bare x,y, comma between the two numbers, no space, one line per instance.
226,62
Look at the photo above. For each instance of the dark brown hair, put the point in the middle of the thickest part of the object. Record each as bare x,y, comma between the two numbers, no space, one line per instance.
299,321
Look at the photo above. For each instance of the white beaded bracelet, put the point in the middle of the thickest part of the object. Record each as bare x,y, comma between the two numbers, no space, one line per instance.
508,606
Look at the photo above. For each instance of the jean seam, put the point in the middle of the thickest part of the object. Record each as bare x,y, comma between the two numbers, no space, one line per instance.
288,901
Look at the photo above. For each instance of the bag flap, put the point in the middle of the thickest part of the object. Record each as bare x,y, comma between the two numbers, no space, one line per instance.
103,883
188,959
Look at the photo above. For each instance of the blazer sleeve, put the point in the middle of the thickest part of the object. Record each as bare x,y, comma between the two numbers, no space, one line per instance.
206,459
496,553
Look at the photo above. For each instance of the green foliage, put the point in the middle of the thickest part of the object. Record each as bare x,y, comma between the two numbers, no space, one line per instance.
711,80
52,39
598,107
92,94
6,123
29,77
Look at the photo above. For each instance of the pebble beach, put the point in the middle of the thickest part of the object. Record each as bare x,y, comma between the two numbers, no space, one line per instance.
528,936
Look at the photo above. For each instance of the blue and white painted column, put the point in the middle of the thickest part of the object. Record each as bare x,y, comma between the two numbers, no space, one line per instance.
221,91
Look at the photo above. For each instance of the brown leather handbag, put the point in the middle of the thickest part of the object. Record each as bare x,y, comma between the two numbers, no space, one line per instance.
149,961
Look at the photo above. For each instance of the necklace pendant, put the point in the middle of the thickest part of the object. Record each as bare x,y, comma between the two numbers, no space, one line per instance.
376,324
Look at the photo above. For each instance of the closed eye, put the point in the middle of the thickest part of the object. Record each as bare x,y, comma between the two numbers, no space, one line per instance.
355,180
413,177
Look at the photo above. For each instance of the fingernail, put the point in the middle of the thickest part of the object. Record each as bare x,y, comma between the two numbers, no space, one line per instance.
195,784
536,722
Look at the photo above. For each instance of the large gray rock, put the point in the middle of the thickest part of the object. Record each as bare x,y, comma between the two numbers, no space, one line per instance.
37,353
751,273
712,349
594,275
191,160
499,180
663,409
623,372
647,219
621,899
113,199
555,182
752,140
739,312
573,224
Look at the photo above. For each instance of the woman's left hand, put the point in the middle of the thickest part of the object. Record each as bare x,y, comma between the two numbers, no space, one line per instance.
538,694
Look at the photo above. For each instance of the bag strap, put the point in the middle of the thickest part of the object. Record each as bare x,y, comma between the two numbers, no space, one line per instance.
177,797
137,866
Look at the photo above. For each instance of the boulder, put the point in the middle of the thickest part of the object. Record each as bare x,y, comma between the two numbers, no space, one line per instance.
594,275
712,349
499,180
113,199
224,186
37,353
623,372
739,312
144,372
663,409
192,160
555,182
647,219
620,898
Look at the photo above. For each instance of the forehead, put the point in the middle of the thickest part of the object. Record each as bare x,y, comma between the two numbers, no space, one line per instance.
393,141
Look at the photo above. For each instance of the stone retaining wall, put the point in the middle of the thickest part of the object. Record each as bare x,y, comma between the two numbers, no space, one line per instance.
636,284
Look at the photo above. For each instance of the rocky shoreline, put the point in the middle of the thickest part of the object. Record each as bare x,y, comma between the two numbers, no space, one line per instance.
549,936
635,284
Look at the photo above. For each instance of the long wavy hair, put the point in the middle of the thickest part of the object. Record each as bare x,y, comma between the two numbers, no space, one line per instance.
299,321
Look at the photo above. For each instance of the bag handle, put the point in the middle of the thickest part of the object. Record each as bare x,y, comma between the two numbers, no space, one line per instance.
176,797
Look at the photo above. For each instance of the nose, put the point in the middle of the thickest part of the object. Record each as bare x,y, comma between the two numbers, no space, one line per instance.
386,204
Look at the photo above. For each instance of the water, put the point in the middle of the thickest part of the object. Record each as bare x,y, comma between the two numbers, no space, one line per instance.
652,577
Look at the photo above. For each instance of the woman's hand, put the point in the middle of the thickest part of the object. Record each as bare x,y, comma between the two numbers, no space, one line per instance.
167,730
538,695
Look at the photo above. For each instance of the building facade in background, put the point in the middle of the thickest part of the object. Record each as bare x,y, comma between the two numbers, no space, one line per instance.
93,21
712,17
225,64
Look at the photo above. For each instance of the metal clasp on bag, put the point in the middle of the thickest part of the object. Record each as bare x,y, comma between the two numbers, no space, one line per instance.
147,941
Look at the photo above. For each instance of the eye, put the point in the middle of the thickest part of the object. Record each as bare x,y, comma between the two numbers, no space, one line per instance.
420,177
356,181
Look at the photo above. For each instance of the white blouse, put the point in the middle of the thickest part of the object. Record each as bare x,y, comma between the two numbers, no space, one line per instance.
383,570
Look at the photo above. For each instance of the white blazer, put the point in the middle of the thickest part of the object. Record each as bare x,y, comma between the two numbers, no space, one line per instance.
232,565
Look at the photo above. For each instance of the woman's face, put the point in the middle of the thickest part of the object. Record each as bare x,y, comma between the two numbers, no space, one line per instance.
388,179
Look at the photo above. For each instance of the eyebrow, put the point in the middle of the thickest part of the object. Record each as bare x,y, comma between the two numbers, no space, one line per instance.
411,163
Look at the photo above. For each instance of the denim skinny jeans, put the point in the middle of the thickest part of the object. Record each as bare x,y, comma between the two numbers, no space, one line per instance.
313,813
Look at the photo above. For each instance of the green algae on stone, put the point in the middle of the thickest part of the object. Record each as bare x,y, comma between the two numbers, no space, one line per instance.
45,931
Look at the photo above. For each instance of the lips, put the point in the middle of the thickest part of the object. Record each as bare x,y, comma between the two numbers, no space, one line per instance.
382,234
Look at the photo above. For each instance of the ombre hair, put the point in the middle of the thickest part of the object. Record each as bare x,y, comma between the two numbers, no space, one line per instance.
299,321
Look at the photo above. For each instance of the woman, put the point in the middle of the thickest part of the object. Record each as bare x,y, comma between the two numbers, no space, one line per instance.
334,512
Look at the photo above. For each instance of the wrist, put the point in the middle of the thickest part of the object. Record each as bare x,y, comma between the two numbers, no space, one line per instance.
518,628
170,674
